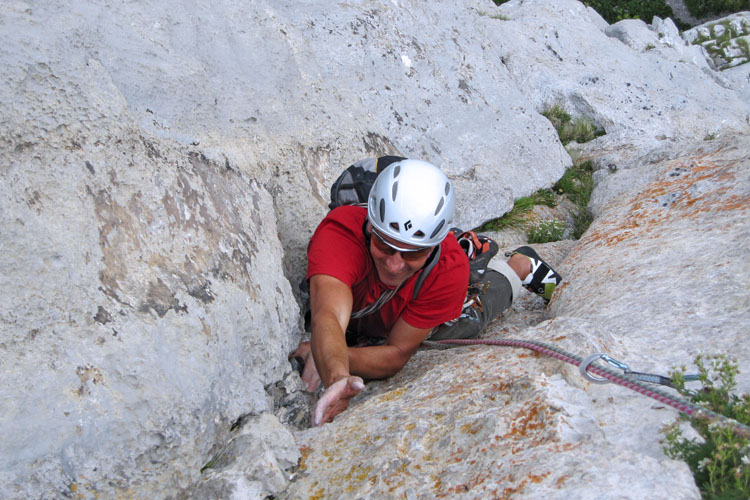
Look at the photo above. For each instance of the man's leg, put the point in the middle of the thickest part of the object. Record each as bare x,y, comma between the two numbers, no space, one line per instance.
500,285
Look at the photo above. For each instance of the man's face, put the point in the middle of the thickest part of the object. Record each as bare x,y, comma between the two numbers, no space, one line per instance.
394,266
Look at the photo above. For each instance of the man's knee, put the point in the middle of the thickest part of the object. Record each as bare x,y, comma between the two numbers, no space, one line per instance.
490,298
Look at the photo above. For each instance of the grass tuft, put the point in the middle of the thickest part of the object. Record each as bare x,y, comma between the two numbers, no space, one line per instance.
515,218
577,183
545,231
579,130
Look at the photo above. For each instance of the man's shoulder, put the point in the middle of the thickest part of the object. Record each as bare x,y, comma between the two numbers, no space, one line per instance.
348,212
345,221
452,252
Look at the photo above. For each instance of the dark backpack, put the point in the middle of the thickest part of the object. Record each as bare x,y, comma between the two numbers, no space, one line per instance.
354,183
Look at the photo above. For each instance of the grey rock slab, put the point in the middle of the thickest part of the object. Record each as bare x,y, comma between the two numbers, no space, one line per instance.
643,97
665,259
480,422
255,463
144,307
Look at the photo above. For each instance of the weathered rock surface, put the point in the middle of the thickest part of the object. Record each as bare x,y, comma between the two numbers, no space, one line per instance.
164,167
726,43
139,319
649,91
660,277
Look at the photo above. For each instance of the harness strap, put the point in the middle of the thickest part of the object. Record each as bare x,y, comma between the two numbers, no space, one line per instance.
384,297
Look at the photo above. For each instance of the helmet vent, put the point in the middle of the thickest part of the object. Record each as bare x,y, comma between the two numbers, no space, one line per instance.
439,205
394,226
438,228
396,171
418,234
382,210
447,188
394,190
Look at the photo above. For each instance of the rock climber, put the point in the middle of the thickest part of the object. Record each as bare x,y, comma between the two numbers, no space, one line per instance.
363,266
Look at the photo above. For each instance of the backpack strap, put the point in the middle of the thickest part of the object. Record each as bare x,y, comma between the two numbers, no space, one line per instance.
384,161
429,266
389,294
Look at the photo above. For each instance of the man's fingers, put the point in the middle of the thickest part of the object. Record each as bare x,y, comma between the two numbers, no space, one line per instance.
302,350
336,399
310,376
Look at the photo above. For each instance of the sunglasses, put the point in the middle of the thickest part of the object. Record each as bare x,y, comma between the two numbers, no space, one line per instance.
408,255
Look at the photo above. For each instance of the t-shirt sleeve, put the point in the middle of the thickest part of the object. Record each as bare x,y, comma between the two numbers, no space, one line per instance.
336,249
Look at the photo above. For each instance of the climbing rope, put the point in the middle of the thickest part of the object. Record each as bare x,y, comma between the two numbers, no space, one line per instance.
626,379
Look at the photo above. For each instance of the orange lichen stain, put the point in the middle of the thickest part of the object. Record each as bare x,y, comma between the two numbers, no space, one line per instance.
410,426
538,479
561,337
458,455
459,488
686,200
318,495
437,483
357,474
560,482
532,354
510,490
562,447
304,452
500,386
471,428
391,395
531,419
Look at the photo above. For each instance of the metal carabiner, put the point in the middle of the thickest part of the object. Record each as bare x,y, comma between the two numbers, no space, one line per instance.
606,357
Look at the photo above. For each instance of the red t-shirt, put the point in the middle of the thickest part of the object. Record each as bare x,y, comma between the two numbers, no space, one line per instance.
338,249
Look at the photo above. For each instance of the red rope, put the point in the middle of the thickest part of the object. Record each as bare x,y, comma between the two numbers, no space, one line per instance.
675,402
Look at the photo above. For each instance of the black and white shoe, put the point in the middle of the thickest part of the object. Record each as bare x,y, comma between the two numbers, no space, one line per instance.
542,280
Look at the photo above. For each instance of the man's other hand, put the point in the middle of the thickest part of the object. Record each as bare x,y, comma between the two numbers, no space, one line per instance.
336,399
310,375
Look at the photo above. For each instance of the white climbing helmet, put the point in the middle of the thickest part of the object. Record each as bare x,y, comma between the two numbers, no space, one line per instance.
412,201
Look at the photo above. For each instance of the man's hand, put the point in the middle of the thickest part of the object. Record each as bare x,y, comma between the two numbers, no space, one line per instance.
310,374
336,399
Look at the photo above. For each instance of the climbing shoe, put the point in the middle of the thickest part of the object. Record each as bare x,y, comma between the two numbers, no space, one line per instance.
542,279
480,250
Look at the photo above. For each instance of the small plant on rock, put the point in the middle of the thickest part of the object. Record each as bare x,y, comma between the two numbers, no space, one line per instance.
545,231
720,461
516,218
577,184
579,130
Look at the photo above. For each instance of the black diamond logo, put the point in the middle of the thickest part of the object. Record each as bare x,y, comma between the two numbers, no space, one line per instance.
407,225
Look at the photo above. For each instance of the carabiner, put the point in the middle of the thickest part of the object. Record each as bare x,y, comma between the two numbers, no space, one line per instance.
583,368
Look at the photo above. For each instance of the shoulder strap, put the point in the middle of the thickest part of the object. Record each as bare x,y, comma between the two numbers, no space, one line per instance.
389,294
429,265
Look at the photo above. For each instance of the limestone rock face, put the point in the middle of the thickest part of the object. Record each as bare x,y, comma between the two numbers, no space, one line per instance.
647,88
139,317
726,43
144,306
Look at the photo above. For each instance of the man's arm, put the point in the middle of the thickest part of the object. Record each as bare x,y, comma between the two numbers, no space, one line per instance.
330,308
386,360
